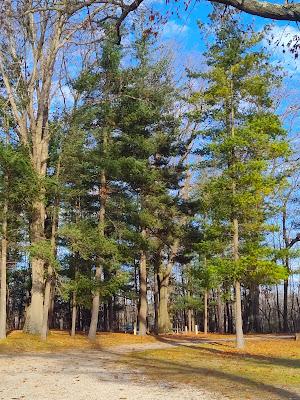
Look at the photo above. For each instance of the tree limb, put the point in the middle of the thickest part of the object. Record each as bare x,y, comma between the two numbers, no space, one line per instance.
293,241
265,9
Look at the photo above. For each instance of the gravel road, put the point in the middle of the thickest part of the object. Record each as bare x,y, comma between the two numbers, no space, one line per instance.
85,375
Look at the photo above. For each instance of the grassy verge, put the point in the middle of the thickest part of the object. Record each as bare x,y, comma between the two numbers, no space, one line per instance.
265,370
17,341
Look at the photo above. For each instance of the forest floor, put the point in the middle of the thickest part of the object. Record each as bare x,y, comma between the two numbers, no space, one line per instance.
123,366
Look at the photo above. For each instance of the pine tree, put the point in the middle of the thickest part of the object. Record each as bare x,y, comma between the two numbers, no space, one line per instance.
244,135
16,177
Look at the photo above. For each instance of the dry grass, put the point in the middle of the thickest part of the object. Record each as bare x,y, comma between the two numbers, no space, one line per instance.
265,370
17,341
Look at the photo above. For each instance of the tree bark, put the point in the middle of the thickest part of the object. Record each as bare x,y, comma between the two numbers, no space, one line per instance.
285,305
143,302
34,314
74,314
220,311
101,228
164,323
287,267
205,322
163,280
95,307
265,9
3,278
95,304
255,318
47,302
156,302
240,342
50,283
235,225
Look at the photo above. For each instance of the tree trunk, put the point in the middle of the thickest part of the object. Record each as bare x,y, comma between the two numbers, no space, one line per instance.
255,294
34,315
287,266
3,273
164,323
220,311
95,307
235,240
285,305
74,314
205,322
98,274
51,316
47,302
163,281
278,309
156,303
50,284
143,303
111,316
240,343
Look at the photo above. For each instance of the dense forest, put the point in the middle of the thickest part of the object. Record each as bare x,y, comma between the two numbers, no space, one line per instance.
133,199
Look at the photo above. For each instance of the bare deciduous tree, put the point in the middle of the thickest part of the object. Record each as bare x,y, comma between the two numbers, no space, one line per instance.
33,36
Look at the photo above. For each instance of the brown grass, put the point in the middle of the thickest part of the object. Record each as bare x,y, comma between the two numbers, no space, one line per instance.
265,370
18,341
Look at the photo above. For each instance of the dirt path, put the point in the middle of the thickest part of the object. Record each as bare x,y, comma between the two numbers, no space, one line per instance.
92,375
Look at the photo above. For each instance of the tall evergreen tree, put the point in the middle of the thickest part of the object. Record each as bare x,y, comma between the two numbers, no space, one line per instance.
244,135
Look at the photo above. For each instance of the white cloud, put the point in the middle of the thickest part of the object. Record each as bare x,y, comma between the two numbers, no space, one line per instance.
172,29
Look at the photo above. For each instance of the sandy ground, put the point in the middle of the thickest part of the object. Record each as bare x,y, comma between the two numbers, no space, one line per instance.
85,375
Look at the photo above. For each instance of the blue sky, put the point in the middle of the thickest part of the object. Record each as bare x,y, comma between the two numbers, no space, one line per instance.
184,31
182,34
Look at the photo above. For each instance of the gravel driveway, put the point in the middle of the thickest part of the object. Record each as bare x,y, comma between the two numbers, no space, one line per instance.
85,375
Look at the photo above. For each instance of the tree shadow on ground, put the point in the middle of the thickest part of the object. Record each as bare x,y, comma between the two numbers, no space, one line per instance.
169,369
138,365
109,364
285,362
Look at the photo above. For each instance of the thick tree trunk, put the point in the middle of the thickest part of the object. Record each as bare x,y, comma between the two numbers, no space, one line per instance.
34,315
3,282
143,303
163,281
164,323
95,307
240,343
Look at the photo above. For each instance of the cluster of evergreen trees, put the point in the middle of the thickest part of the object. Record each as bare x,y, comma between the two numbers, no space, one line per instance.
147,193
